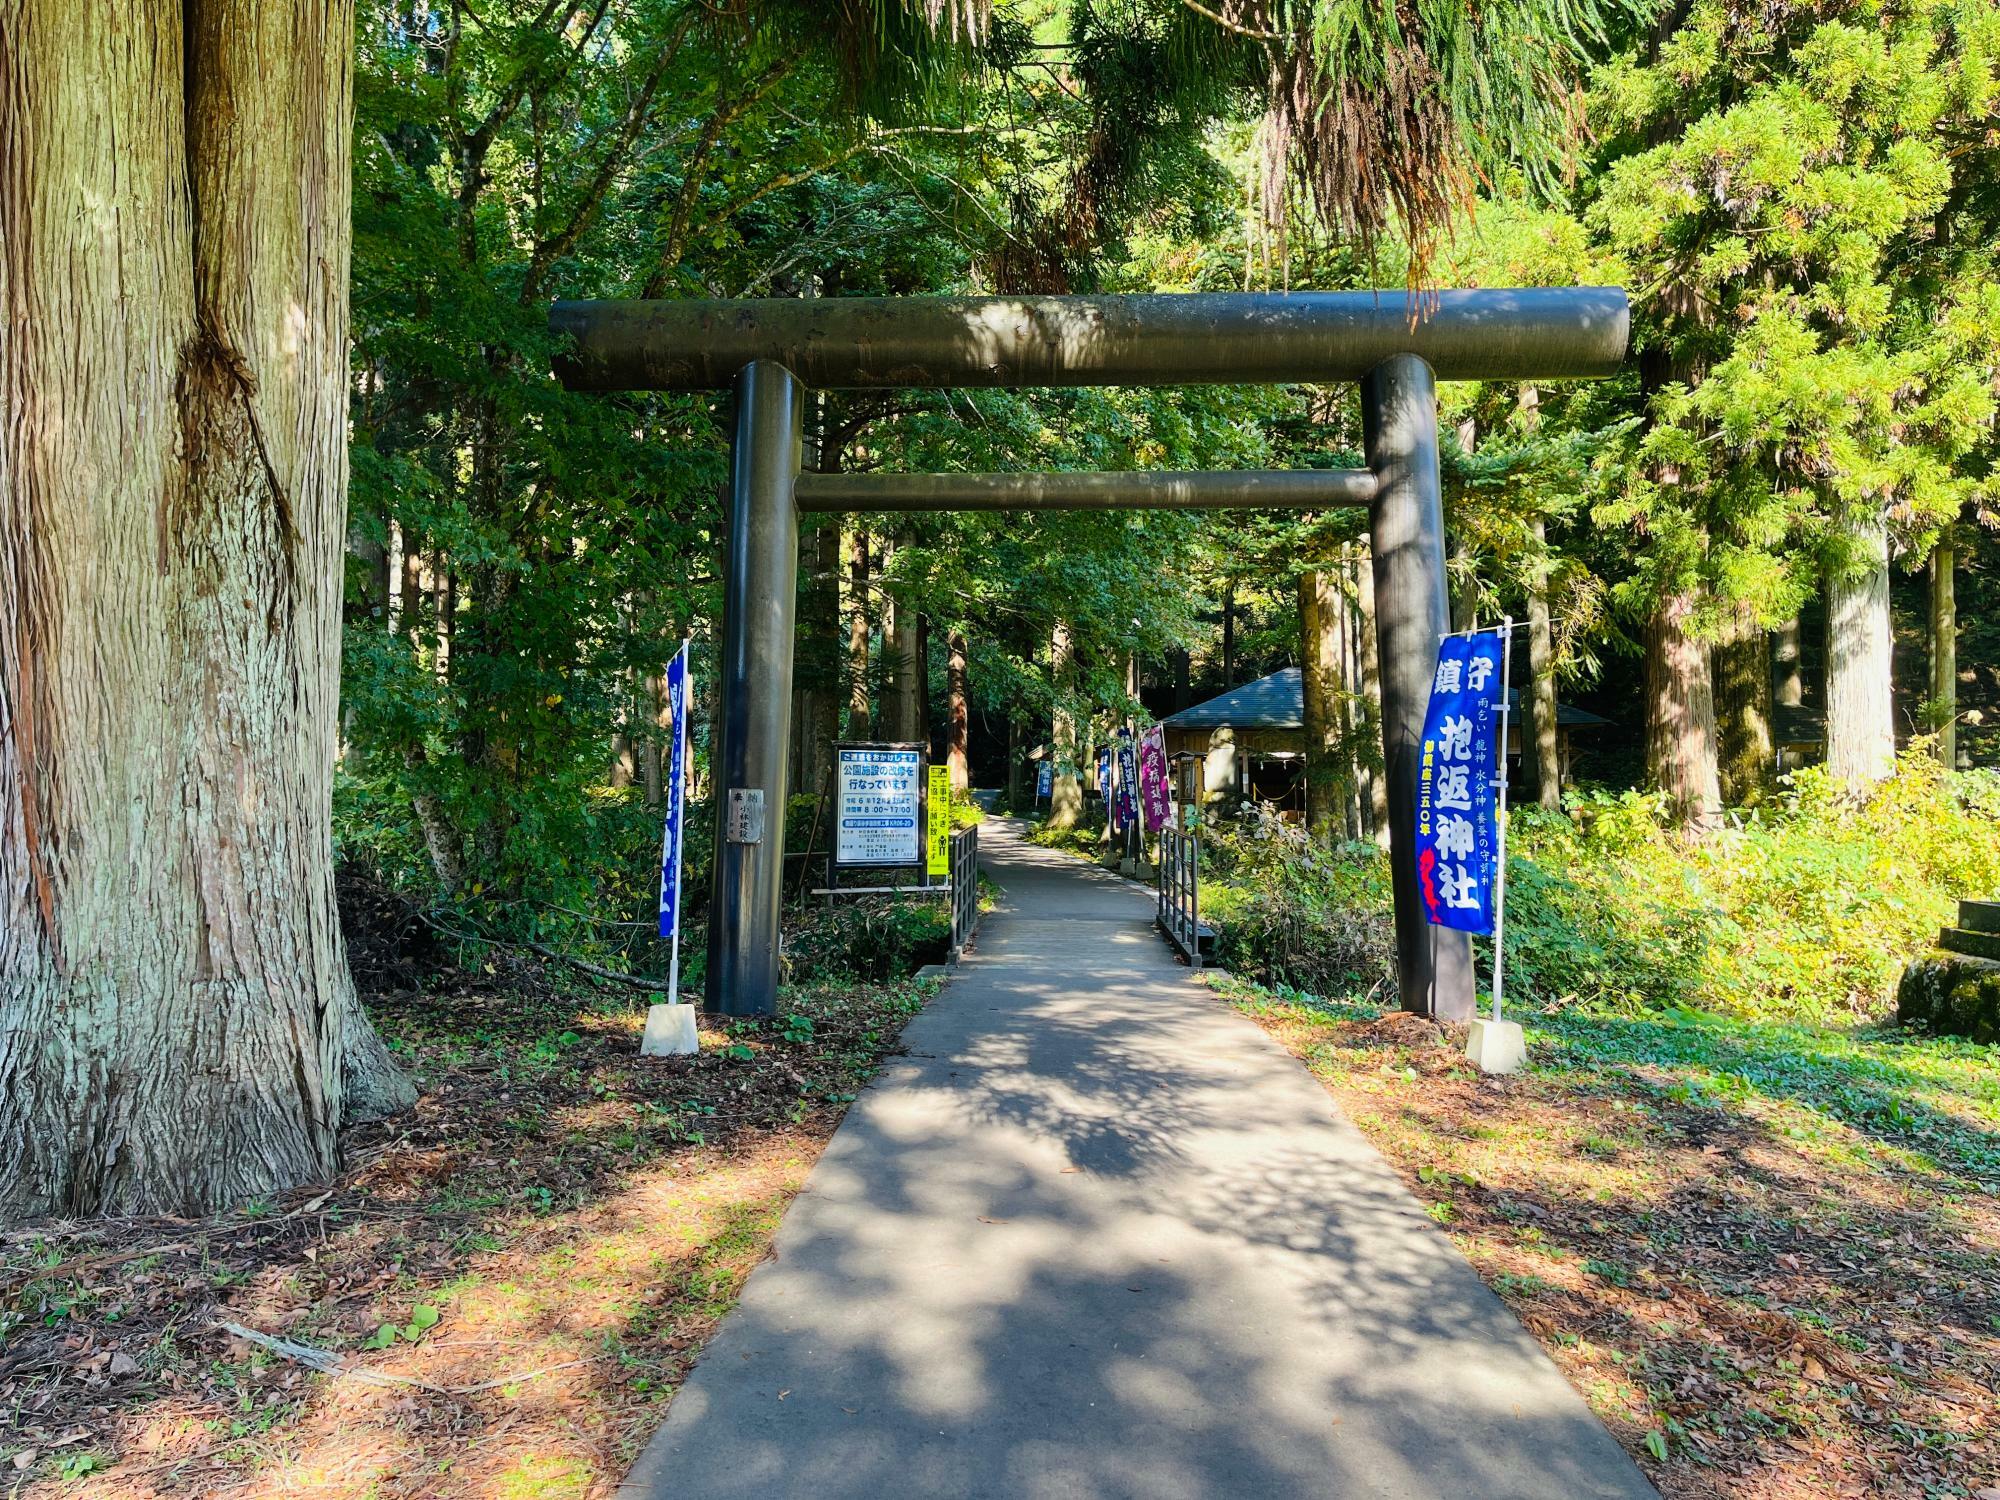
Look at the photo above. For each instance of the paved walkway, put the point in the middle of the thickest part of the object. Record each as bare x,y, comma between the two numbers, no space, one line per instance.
1097,1237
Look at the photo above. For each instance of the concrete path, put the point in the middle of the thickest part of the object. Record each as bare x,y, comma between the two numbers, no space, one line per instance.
1096,1237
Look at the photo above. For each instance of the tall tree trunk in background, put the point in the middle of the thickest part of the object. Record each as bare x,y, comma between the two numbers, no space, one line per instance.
1183,687
1066,794
1228,636
653,700
1740,664
1538,719
902,711
178,1031
1788,685
1680,716
1943,705
1371,704
858,718
1348,701
1860,715
958,729
1015,765
819,670
1319,673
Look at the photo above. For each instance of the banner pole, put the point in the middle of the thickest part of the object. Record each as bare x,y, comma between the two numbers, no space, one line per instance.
679,795
1500,874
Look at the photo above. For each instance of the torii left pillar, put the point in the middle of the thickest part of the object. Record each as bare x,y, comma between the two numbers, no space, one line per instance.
760,594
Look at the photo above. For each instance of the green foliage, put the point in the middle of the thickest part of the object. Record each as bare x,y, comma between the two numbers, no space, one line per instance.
1291,913
868,939
423,1318
1806,912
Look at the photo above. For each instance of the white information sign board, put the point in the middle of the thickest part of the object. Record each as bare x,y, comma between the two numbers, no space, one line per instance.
878,805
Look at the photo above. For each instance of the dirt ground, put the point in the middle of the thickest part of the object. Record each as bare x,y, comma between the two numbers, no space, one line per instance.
512,1278
1764,1291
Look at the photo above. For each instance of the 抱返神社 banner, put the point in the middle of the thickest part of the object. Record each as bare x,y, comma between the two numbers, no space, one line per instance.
676,795
1457,817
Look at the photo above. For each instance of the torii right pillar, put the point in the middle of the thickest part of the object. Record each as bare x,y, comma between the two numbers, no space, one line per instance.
1412,613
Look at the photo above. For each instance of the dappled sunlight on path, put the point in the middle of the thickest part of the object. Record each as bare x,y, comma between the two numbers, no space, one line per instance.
1095,1235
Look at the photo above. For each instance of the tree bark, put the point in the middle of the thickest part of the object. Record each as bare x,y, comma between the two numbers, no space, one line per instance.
1788,687
1228,636
1680,716
903,712
1943,707
1544,766
1015,799
1740,663
178,1031
1319,673
858,717
1371,705
958,730
819,669
1860,715
1066,792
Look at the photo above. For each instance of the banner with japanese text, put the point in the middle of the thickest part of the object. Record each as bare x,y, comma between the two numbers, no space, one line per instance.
1128,781
1153,791
676,790
937,822
1457,818
1104,788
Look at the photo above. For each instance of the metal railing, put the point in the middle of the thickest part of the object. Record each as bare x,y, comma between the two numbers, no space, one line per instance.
964,877
1180,895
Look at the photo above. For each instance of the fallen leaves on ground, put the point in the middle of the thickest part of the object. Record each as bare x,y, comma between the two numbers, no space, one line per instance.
513,1277
1763,1300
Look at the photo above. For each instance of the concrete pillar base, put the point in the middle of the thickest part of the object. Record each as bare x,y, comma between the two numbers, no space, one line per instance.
1497,1046
670,1032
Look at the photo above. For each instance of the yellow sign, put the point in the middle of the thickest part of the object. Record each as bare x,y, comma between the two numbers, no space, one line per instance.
937,848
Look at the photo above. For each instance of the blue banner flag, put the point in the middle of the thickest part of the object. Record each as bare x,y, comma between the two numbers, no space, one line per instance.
676,789
1458,849
1104,789
1045,778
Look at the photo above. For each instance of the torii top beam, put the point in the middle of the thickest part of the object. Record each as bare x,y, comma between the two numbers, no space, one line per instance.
1203,338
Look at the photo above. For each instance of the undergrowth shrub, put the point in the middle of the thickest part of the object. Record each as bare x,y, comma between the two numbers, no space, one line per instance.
1804,910
1290,913
867,939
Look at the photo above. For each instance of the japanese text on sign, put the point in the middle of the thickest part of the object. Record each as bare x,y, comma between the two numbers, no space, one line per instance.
937,843
1457,827
878,795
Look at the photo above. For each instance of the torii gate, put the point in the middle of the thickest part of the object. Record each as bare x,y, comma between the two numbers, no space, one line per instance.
772,350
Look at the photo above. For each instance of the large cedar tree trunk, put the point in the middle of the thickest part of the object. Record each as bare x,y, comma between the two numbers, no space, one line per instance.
858,718
1944,651
1538,705
1680,716
1319,674
1788,683
1371,703
1066,791
1860,716
958,732
178,1031
1740,661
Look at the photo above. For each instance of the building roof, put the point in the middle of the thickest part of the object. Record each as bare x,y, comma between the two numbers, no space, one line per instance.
1278,702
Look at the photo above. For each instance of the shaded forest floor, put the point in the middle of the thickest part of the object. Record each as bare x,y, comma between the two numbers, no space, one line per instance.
1769,1257
520,1269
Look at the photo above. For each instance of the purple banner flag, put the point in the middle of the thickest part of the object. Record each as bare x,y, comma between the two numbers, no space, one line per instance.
1153,779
